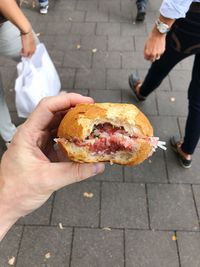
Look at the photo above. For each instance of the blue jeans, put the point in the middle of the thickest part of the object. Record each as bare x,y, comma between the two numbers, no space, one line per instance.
182,41
43,2
141,3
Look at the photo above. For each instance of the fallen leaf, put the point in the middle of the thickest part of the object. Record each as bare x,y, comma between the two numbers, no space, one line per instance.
48,255
88,195
11,261
107,228
174,238
60,226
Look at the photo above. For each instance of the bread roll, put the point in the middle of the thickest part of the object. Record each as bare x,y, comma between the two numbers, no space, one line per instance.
119,133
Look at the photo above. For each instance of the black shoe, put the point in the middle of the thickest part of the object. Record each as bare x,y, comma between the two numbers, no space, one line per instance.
141,13
133,83
185,163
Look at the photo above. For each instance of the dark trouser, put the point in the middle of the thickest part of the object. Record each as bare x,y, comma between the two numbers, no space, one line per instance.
182,41
141,3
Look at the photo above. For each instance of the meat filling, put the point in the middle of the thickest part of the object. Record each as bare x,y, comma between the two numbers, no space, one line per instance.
106,138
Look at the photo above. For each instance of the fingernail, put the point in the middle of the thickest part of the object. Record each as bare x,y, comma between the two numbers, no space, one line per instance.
99,168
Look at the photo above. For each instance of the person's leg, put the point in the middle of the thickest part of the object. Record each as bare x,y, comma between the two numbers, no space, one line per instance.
192,130
160,69
141,10
10,46
44,6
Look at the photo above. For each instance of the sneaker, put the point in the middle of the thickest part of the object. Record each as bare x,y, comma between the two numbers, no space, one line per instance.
185,163
44,9
134,81
141,13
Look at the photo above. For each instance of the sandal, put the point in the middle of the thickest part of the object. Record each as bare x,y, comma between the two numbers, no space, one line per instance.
134,81
185,163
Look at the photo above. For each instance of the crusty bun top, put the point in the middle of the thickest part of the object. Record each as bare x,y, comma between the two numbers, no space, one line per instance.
80,120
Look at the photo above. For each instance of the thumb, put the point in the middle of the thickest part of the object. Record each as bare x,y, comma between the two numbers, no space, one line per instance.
62,174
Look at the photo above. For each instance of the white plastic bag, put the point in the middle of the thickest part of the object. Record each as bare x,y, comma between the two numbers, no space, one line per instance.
37,78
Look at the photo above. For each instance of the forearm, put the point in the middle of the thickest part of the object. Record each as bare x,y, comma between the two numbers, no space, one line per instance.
13,13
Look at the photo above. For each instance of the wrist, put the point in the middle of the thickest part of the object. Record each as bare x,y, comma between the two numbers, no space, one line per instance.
26,30
8,212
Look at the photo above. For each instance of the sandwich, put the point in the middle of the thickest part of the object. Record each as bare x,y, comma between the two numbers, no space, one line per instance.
117,133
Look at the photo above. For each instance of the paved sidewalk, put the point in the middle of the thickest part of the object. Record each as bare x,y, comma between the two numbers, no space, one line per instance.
146,216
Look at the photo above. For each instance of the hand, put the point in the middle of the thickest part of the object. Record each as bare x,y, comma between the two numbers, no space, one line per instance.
28,176
154,46
28,44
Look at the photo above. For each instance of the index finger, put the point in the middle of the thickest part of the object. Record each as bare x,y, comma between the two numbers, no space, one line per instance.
48,106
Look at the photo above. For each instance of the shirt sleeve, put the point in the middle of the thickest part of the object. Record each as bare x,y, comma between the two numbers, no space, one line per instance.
175,9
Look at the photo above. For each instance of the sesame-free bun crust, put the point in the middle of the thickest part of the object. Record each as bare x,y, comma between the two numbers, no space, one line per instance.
78,123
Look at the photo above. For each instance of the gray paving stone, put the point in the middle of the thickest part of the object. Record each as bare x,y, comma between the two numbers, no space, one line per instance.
67,77
73,15
77,59
39,217
112,173
57,57
164,127
120,197
134,60
171,207
104,28
106,95
119,43
113,6
58,28
90,79
66,15
133,29
83,28
180,80
71,208
187,63
152,170
105,60
152,249
182,123
68,42
62,6
96,16
92,42
87,5
117,79
97,248
177,174
39,241
189,246
166,106
139,43
9,245
148,107
196,190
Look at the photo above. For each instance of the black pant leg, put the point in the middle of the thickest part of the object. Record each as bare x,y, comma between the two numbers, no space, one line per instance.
192,130
160,68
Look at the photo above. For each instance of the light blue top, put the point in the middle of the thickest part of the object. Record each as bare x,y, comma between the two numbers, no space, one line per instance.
175,9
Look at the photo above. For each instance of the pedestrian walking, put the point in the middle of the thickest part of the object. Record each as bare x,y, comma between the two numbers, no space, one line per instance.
175,36
141,10
16,39
44,6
